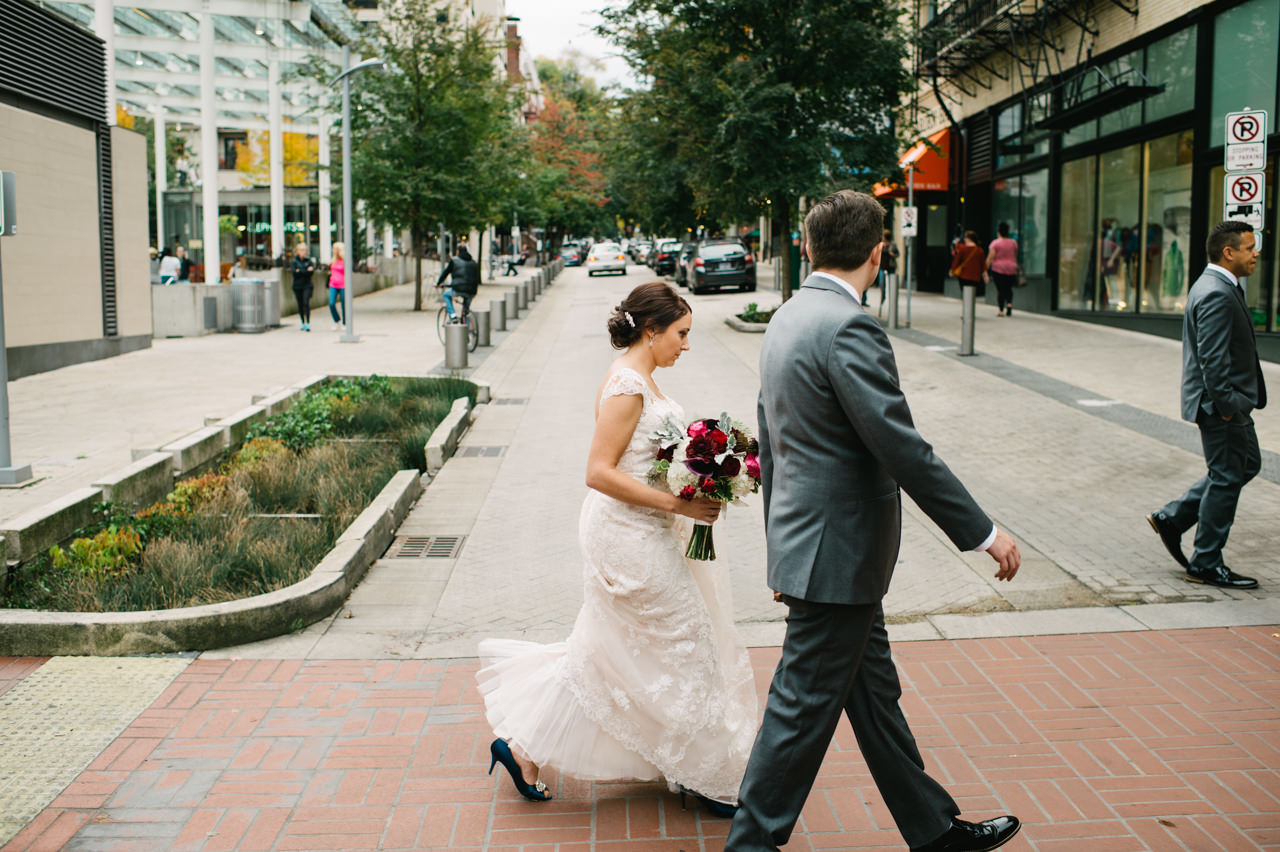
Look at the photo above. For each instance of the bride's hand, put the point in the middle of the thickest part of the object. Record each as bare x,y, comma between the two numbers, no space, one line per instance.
699,508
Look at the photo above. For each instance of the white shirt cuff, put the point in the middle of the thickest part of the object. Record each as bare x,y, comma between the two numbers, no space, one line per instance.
990,540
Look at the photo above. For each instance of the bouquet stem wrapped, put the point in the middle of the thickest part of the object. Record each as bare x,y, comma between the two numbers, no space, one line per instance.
713,458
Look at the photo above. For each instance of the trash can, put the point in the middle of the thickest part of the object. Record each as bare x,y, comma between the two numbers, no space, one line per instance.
249,305
273,302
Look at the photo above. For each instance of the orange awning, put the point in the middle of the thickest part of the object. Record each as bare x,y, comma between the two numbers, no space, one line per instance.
932,167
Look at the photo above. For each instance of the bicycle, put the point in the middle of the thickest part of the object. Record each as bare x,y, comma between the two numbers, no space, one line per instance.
473,332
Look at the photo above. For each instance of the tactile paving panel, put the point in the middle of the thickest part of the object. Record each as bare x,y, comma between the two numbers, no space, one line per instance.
59,718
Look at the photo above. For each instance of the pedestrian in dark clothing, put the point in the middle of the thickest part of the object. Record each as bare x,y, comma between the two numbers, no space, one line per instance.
1222,385
184,265
514,262
303,267
465,284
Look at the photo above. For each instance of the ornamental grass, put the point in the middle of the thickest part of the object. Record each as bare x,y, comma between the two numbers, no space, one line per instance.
258,523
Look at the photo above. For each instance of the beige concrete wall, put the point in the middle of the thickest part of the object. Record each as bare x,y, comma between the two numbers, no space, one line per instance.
1115,27
133,269
52,266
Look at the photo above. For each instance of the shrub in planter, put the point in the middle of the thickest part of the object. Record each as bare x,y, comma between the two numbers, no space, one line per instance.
752,313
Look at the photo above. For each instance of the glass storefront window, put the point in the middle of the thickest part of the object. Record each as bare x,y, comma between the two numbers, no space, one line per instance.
1076,279
1245,57
1022,202
1172,62
1166,275
1123,70
1119,232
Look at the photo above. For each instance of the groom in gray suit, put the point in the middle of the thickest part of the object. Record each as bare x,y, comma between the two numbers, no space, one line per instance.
1221,386
836,445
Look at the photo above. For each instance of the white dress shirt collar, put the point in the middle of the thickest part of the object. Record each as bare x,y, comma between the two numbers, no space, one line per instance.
845,284
1226,273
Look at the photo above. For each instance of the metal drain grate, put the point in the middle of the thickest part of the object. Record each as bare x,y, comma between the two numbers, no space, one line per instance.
509,400
480,452
425,547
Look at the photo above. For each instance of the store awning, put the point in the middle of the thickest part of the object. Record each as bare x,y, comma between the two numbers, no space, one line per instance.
932,167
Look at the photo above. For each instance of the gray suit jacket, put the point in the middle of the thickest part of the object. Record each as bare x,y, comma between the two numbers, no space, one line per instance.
836,442
1220,369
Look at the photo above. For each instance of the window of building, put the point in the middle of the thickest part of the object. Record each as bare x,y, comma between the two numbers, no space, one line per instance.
1124,70
1077,282
1171,62
1246,56
1022,202
1166,275
1119,228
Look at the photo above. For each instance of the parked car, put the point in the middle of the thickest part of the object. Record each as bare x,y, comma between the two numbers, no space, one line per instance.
640,250
664,258
683,262
606,257
721,263
569,254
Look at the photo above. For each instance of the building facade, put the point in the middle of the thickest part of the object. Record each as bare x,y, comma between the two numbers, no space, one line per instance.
1096,129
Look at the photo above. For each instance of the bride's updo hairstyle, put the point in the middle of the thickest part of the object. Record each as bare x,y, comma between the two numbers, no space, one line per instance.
649,307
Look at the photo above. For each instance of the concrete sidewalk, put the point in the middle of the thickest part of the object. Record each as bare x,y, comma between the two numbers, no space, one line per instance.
1079,696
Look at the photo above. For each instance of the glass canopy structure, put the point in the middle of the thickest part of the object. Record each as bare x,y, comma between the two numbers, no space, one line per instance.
222,64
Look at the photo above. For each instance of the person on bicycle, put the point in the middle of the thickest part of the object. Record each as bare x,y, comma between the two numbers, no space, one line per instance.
466,281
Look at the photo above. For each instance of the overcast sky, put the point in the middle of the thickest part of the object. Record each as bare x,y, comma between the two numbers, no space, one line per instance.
553,28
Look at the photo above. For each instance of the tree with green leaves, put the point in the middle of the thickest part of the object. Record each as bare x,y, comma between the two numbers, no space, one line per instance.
766,101
435,140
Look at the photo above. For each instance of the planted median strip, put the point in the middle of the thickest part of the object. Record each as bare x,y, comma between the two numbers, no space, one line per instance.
270,540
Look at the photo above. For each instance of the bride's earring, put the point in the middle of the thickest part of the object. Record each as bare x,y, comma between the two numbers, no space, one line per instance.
651,341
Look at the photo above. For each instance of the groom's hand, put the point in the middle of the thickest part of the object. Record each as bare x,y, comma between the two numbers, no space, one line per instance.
1005,552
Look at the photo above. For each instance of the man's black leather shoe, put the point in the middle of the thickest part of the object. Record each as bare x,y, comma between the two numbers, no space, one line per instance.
1223,577
1172,538
974,836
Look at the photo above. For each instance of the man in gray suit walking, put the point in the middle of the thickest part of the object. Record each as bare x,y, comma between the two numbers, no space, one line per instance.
836,444
1221,386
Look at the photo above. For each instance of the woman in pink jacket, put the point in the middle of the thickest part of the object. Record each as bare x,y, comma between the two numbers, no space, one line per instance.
338,283
1002,265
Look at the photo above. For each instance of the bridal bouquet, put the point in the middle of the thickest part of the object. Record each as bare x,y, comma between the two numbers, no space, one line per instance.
712,457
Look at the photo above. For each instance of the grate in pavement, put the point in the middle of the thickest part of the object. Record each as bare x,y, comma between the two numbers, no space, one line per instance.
509,400
480,452
425,547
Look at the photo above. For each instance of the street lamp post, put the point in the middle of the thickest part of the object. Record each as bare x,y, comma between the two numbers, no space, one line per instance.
349,336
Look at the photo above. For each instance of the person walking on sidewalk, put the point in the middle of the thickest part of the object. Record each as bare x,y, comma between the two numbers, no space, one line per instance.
465,284
302,268
836,445
653,681
337,285
1002,265
1222,384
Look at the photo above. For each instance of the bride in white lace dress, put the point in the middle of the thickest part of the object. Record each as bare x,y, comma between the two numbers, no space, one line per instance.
652,683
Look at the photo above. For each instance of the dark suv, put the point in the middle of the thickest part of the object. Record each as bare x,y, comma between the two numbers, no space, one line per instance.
721,263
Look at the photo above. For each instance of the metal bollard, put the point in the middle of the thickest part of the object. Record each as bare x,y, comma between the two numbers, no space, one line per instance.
537,284
968,304
524,295
455,346
891,295
482,326
498,308
512,301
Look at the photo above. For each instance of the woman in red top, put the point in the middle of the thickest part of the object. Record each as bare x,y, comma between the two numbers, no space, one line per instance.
967,262
1002,265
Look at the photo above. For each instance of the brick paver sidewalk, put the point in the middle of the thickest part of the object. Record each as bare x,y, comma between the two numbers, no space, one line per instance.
1121,741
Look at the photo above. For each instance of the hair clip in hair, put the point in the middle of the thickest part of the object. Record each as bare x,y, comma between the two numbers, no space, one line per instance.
630,320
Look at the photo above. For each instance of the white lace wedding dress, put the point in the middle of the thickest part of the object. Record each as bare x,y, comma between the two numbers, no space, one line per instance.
652,682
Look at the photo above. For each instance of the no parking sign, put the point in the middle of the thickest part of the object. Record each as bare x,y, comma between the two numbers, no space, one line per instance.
1245,197
908,221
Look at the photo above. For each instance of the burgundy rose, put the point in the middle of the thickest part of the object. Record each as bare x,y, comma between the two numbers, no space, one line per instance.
730,466
753,466
720,439
687,493
667,453
709,485
701,447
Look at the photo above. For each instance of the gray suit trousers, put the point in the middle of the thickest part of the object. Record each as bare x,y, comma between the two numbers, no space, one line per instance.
835,658
1232,456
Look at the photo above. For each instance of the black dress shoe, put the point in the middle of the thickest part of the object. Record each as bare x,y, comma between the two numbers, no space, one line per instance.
1171,537
1221,576
974,836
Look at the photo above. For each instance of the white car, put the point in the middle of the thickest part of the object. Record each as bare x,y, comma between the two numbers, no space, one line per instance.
606,257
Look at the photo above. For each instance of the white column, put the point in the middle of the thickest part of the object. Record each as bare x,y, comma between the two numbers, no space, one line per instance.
208,148
326,209
370,233
388,237
275,110
104,24
162,177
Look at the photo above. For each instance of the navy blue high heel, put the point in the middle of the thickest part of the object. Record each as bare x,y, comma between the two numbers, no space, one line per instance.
713,807
501,753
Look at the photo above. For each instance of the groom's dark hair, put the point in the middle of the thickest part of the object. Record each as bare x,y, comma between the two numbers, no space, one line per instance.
842,229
